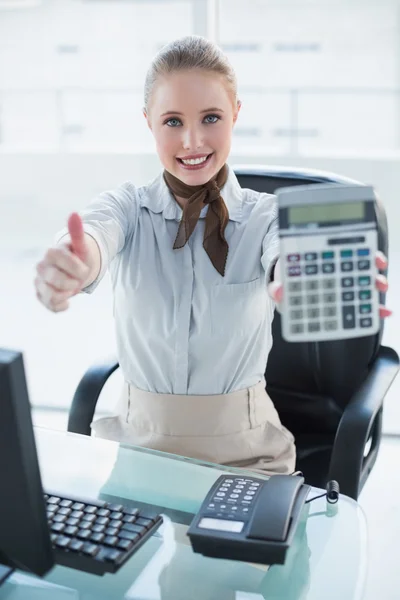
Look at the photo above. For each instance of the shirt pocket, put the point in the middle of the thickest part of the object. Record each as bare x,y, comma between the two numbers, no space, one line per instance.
238,307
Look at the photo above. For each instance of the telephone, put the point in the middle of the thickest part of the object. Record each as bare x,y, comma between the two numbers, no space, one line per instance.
249,519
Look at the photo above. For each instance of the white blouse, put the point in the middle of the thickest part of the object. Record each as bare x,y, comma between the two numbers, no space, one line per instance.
181,327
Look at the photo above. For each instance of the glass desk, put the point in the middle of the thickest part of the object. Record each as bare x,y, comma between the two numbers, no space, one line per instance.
326,561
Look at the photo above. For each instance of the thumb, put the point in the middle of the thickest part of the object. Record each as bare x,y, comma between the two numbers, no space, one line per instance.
78,244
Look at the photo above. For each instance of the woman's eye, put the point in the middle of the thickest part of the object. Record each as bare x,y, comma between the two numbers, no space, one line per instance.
211,118
173,122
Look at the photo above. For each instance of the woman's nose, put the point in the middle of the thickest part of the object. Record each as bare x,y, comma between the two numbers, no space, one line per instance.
192,138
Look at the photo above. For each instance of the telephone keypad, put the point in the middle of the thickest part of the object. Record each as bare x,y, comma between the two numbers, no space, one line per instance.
329,271
233,498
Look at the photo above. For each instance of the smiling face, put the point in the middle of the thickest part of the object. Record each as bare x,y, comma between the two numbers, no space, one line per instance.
191,114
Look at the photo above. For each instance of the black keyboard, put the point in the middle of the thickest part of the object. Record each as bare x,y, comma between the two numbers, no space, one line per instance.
96,536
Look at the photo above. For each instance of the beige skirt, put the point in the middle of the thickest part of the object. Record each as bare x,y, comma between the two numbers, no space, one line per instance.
239,429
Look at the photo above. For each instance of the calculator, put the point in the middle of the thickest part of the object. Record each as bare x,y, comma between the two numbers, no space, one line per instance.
328,241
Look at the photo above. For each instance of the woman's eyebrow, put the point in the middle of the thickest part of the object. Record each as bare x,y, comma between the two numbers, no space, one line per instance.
176,112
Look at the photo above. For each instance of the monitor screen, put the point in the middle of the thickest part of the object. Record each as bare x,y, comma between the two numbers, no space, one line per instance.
24,534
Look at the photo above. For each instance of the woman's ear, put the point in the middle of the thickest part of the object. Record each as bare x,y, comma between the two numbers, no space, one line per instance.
146,116
236,113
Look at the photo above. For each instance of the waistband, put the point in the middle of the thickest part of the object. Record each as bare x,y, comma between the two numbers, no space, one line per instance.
197,415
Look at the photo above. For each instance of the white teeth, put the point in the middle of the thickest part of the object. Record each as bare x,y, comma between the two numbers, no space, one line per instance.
194,161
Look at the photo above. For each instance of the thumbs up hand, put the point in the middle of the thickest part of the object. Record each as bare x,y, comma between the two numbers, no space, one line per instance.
64,269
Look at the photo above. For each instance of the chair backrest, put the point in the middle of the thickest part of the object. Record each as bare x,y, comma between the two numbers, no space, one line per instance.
311,383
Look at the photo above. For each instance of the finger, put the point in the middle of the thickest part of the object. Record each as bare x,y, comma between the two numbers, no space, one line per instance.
381,283
58,280
77,234
66,261
48,296
381,260
384,312
275,290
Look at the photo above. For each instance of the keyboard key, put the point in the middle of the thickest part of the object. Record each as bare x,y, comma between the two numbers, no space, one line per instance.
116,515
62,541
76,545
77,514
72,521
99,528
131,518
91,510
147,523
90,549
125,544
97,538
89,518
69,530
64,511
102,521
78,506
66,503
103,512
117,524
110,540
349,317
59,518
113,555
84,534
53,500
128,535
58,527
52,508
111,531
85,525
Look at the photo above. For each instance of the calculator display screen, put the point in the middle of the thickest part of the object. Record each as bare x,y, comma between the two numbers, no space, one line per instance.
322,213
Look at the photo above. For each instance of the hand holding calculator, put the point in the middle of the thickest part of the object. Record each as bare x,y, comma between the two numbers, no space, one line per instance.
328,243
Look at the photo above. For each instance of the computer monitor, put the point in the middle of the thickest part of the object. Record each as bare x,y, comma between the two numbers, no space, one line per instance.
24,533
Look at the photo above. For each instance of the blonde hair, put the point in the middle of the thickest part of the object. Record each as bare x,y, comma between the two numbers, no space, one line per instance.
189,52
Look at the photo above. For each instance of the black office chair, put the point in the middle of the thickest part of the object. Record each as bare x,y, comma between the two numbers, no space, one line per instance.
329,394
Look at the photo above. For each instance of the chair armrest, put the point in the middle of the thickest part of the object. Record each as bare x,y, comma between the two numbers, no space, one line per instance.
87,393
348,465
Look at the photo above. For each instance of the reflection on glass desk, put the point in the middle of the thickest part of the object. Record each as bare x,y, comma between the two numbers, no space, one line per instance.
326,561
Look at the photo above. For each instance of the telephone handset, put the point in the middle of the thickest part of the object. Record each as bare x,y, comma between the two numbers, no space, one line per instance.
249,519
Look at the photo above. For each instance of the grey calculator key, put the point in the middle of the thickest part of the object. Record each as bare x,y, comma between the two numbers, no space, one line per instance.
330,325
364,265
311,269
296,314
329,298
329,311
328,268
347,265
312,285
295,300
314,326
297,328
313,313
349,317
313,298
347,282
310,256
294,286
329,284
366,322
347,296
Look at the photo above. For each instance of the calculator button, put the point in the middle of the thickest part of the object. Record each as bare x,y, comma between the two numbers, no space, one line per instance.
313,298
365,309
364,294
346,266
349,317
312,285
347,296
297,328
363,252
293,258
328,284
346,253
327,298
363,281
330,325
294,271
314,326
328,268
310,256
329,311
366,322
328,255
347,282
364,265
311,269
313,313
294,286
295,300
296,314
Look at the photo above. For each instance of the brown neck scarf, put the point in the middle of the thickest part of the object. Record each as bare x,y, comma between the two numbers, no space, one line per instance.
217,217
